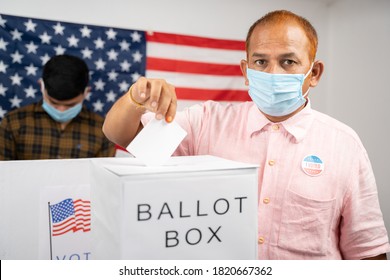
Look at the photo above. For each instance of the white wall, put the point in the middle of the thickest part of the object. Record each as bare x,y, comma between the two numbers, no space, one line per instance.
354,36
217,18
227,19
359,80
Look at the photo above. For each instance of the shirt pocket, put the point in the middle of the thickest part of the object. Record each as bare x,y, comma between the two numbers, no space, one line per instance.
306,224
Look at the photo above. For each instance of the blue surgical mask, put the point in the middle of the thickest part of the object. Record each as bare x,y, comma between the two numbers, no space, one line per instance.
277,94
62,116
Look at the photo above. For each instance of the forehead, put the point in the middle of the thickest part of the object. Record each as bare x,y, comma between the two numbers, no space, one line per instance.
276,38
72,101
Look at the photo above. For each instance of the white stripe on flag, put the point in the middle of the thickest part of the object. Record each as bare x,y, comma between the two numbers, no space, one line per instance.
198,54
199,81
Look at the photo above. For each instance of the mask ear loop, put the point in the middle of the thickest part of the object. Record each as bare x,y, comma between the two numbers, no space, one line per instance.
306,93
304,78
308,72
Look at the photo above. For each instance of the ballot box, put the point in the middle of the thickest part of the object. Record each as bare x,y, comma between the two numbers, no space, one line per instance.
199,207
192,208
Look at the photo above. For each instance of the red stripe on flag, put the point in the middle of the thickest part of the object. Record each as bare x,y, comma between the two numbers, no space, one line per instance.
64,222
80,201
200,68
82,215
212,94
195,41
64,227
161,64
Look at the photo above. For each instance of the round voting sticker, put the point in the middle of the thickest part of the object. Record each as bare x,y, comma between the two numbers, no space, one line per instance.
312,165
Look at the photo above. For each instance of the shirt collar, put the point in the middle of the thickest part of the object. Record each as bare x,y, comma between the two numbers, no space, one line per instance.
257,121
297,125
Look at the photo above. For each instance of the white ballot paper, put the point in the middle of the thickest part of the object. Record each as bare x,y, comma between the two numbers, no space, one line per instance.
156,142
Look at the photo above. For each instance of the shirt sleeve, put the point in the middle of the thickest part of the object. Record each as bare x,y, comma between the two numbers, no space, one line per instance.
191,120
362,230
7,142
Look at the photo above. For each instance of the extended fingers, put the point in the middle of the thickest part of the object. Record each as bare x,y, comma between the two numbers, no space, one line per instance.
171,111
165,101
155,95
139,90
156,90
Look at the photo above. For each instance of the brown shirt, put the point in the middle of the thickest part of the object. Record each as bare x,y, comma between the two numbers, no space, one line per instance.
30,133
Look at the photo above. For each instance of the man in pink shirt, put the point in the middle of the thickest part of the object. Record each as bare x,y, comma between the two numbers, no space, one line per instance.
317,192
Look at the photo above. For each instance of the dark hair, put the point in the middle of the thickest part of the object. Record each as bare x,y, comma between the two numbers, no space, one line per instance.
65,77
287,17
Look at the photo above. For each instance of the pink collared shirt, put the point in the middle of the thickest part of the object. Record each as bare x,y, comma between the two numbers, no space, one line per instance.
317,192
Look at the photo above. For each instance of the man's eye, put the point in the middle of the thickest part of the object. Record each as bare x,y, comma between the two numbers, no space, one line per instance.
260,62
288,62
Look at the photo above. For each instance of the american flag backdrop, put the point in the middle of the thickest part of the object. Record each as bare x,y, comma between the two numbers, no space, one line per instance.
70,215
200,68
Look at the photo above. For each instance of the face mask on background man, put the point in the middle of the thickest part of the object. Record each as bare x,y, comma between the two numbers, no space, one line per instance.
57,115
62,116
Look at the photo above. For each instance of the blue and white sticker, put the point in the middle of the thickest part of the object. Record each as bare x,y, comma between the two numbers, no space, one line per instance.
312,165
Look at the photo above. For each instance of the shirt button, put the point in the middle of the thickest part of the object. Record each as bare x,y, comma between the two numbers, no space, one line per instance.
275,127
266,200
271,162
260,240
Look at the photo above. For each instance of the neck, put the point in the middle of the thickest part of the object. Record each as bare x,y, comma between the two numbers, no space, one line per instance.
63,125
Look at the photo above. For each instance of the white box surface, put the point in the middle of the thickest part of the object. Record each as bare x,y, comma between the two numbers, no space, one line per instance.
193,208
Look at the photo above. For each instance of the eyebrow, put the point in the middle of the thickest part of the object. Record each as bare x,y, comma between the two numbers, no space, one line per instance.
284,55
255,54
289,55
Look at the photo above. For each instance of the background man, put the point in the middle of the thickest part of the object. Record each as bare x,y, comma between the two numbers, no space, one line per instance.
59,126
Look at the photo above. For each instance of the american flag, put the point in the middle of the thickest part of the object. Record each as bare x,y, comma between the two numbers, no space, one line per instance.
70,215
200,68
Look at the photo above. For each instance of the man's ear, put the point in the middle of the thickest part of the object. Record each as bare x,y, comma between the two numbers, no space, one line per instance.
243,66
87,90
41,85
316,73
